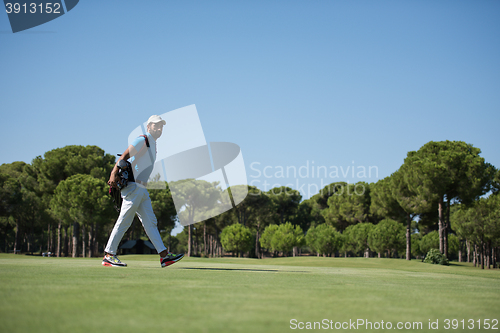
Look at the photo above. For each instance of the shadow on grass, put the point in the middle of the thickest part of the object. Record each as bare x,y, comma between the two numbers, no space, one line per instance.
239,269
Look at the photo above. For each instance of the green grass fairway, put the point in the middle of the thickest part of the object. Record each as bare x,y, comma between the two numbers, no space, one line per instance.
241,295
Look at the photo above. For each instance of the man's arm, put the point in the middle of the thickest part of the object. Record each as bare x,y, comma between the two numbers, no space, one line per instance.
113,178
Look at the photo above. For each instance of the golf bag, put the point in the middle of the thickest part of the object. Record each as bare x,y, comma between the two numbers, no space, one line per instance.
126,175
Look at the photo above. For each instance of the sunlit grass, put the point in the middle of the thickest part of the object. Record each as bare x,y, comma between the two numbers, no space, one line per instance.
236,295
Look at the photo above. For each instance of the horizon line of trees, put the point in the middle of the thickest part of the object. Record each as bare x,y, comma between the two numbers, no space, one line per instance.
436,199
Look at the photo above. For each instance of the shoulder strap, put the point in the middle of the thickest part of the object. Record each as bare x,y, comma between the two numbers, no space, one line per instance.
145,138
142,150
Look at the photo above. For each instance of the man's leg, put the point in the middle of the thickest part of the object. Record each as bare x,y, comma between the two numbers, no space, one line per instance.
129,206
150,224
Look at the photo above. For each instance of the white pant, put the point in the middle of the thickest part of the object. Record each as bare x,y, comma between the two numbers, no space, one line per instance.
135,200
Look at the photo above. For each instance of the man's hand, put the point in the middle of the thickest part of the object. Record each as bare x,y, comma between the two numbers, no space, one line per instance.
113,180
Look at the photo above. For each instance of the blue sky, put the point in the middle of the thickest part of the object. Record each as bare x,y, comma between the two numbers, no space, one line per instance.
338,84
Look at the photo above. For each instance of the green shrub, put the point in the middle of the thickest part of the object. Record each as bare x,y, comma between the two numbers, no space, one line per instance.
324,239
436,257
387,236
236,238
282,238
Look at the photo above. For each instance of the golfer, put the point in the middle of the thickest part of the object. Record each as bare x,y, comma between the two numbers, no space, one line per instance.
142,154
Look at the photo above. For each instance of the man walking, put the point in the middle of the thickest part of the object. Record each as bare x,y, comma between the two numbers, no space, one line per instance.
142,154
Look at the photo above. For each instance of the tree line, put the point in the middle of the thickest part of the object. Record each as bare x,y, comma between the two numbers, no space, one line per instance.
60,203
444,196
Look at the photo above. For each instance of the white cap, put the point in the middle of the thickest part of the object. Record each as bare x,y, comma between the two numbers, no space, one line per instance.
156,119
